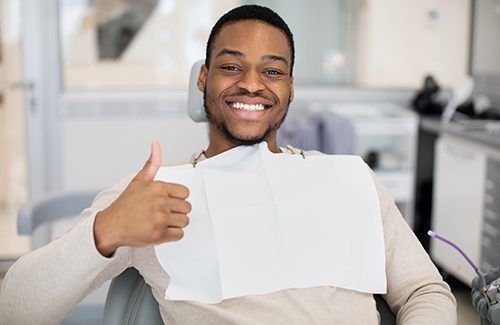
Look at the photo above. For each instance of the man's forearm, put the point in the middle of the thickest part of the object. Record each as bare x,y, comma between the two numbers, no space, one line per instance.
432,304
43,286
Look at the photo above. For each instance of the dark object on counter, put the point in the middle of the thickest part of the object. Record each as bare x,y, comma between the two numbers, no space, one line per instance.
426,100
490,114
468,109
372,159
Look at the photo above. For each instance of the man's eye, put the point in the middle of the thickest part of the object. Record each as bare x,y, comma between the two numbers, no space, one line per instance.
273,72
230,68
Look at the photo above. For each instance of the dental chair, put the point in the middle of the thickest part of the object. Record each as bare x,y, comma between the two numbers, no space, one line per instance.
50,216
130,300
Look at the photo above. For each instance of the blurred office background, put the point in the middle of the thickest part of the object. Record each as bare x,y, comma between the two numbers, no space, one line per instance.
85,85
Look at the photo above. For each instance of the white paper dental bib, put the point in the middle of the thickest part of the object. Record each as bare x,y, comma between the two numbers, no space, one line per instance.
264,222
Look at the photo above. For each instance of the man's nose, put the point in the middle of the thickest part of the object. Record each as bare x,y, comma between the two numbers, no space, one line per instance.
251,81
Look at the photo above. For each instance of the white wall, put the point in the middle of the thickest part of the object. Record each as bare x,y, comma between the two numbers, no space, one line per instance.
399,42
99,151
100,146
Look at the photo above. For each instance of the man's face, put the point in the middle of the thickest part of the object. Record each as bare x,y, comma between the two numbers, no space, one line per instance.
248,87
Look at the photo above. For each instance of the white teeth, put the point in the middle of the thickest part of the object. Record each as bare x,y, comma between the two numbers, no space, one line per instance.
246,107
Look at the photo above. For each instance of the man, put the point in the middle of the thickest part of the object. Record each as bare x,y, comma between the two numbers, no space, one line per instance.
247,82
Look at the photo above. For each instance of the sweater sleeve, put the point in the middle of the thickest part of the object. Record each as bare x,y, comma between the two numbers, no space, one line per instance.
416,291
43,286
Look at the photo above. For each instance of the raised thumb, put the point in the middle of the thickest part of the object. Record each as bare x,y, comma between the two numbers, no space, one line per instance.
151,167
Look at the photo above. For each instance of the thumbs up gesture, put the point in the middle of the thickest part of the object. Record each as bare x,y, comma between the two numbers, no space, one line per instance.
147,212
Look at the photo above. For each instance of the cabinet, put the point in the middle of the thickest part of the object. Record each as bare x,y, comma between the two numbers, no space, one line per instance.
459,181
490,239
466,205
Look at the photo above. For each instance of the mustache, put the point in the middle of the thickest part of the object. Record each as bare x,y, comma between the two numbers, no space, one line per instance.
246,93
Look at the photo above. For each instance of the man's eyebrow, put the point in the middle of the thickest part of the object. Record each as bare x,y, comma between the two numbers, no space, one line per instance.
273,57
230,52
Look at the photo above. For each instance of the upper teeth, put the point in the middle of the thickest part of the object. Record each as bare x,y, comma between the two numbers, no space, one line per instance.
247,107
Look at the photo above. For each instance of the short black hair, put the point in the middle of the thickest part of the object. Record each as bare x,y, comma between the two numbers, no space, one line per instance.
251,12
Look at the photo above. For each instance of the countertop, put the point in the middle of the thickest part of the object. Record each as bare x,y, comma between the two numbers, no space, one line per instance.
473,132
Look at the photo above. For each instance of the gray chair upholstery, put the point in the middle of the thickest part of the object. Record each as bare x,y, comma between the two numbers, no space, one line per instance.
130,301
52,207
387,317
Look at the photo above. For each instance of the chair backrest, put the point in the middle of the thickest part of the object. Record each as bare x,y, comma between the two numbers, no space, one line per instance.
51,207
130,301
196,109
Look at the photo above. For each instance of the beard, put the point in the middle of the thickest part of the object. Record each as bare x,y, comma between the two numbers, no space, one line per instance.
235,138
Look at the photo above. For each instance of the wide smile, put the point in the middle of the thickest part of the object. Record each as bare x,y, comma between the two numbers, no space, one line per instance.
248,107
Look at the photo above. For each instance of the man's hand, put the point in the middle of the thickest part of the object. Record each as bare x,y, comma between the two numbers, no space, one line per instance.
147,212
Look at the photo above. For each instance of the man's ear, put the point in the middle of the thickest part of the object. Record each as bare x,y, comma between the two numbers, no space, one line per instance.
292,89
202,78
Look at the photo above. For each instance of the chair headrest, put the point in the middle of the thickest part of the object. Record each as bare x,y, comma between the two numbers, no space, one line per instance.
195,97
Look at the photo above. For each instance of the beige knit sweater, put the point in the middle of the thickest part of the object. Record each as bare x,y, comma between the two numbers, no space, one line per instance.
44,285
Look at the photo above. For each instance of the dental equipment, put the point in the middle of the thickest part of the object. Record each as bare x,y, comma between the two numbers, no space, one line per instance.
485,287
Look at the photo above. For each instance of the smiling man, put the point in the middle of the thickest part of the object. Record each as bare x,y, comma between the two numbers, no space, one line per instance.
247,88
247,81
